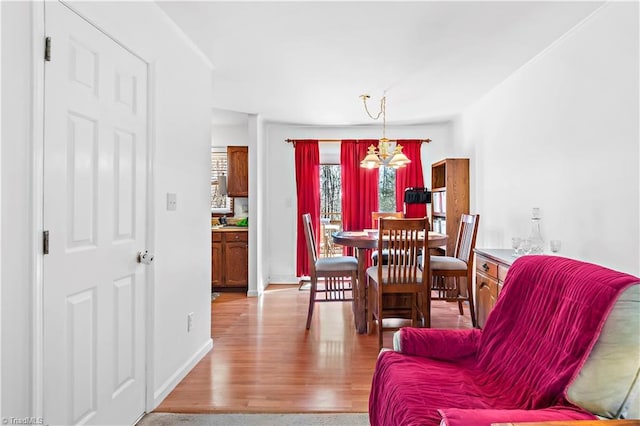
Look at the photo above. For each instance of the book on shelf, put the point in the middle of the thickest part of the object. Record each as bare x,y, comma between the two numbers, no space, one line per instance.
440,225
436,199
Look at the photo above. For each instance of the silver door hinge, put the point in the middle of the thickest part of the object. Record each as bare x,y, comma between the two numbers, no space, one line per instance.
47,49
45,242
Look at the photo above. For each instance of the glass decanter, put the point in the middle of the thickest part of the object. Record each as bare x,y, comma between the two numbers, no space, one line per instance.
537,242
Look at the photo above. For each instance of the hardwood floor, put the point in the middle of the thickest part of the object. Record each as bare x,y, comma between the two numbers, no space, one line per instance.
264,360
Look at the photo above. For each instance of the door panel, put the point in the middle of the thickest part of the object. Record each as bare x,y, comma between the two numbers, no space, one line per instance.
94,209
236,263
486,291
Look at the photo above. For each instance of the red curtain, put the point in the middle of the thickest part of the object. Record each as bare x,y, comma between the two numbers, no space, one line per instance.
307,160
359,186
410,176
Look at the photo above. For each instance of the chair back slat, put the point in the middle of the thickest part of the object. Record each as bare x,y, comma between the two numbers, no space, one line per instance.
310,238
403,239
466,240
401,278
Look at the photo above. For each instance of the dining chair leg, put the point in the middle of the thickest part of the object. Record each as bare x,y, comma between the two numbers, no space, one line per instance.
367,308
427,314
354,291
369,315
458,295
472,310
312,301
379,309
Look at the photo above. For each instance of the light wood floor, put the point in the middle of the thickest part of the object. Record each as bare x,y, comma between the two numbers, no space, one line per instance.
264,360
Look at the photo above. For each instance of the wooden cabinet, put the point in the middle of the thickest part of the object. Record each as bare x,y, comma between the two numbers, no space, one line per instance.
235,259
486,292
229,260
491,270
216,258
238,170
449,198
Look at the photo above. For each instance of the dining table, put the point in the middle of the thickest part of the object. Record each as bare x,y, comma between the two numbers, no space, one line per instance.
364,241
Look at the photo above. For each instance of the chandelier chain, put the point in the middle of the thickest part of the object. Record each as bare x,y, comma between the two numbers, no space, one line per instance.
382,112
384,154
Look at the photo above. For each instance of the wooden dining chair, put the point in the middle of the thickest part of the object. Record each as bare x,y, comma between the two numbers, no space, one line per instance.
460,265
333,279
401,276
375,217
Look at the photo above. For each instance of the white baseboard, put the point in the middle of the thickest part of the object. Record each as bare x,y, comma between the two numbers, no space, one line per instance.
161,393
284,279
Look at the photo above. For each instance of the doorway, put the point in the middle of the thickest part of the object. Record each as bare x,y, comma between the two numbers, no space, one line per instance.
95,213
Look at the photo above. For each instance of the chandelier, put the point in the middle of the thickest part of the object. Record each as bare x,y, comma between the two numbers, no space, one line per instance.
384,155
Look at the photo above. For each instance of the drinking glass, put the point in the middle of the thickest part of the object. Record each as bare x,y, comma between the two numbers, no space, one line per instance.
525,246
515,244
554,245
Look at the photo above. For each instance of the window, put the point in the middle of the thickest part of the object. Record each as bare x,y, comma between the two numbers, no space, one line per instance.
220,203
330,208
330,192
387,189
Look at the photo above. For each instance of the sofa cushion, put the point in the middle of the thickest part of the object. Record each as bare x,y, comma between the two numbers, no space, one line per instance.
608,382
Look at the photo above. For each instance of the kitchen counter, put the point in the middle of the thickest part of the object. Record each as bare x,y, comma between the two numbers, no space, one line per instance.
229,228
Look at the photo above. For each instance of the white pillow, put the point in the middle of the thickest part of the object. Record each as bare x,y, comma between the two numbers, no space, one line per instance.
609,381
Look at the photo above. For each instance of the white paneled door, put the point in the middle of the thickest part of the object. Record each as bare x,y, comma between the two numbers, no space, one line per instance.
95,178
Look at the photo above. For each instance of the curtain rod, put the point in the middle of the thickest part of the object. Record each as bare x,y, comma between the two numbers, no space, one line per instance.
357,141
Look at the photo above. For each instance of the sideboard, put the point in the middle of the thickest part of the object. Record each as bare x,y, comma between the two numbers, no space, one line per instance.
491,269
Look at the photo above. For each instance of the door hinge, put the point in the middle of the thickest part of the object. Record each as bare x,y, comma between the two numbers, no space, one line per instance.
45,242
47,49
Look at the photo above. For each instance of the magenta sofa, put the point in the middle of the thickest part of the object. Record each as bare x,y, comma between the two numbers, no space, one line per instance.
519,367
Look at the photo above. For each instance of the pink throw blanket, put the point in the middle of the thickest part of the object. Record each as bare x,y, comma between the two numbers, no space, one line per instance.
548,317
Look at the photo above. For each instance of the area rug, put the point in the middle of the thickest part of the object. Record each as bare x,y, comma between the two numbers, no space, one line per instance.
270,419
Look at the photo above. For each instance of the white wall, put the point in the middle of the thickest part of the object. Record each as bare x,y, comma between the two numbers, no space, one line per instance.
229,135
17,265
279,186
257,272
180,84
0,218
562,134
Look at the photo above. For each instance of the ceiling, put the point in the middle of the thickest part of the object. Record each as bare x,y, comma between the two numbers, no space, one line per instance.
307,62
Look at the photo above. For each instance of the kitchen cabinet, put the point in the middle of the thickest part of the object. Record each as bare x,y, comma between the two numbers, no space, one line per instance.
216,258
492,266
229,260
238,171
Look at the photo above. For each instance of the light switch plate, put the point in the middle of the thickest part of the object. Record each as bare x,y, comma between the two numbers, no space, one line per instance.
172,201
